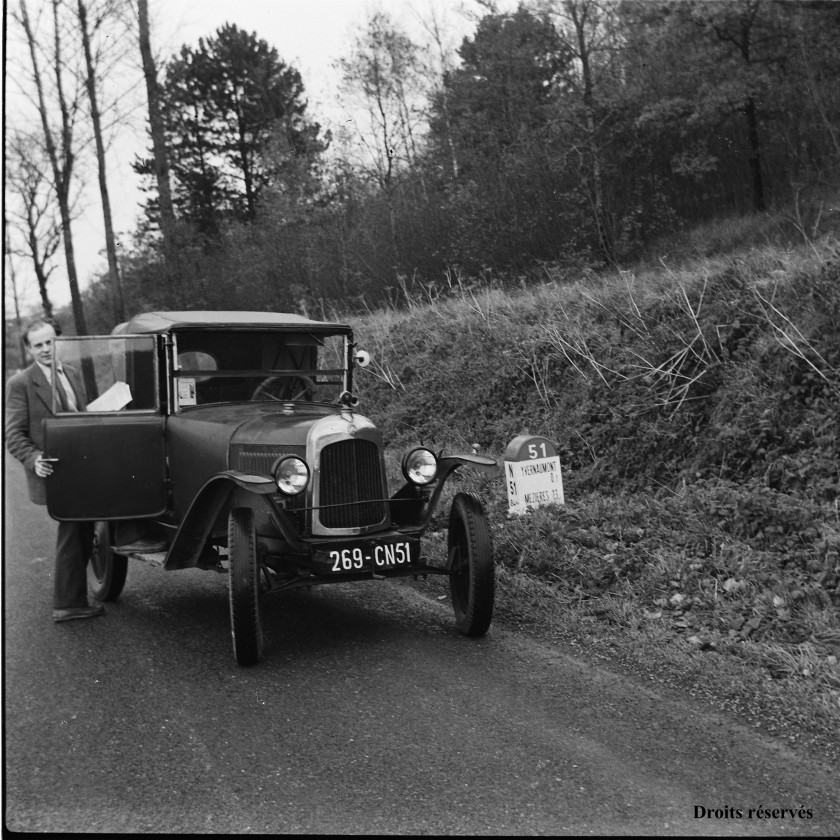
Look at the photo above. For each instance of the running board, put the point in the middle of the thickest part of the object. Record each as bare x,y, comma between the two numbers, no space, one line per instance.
141,547
153,558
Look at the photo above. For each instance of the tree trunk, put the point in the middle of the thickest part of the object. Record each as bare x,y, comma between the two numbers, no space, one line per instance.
755,155
159,151
63,167
752,116
41,274
247,173
110,245
578,13
13,279
742,40
434,29
386,177
444,103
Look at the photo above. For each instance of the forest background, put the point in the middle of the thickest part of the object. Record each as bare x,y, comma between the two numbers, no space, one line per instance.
611,223
570,134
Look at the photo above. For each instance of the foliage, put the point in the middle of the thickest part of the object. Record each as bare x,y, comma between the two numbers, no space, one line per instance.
235,119
383,74
568,136
695,410
502,90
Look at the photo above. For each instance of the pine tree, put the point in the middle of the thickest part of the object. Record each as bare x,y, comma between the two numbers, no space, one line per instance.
229,105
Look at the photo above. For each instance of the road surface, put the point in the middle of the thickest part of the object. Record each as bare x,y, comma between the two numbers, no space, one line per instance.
370,714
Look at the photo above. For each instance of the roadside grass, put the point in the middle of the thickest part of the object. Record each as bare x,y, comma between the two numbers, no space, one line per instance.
619,581
695,408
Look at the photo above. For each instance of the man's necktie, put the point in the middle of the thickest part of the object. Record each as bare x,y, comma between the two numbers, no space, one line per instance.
66,405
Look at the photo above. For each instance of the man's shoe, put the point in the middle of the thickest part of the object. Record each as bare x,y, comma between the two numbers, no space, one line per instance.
78,612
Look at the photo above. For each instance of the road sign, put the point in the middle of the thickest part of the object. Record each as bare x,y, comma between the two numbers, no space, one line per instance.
532,474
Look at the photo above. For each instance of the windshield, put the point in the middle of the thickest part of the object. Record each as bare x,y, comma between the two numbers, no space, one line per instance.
221,366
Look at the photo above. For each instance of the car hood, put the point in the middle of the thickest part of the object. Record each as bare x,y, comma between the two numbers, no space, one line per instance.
273,427
250,424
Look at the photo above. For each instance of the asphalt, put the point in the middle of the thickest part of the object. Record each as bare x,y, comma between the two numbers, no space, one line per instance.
369,714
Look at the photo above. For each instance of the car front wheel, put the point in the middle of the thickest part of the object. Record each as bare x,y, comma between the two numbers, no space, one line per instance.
472,575
245,622
106,570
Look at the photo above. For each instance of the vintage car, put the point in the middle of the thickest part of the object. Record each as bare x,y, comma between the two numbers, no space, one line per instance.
231,441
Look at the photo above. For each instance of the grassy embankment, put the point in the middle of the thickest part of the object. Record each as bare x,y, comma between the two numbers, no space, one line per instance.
695,403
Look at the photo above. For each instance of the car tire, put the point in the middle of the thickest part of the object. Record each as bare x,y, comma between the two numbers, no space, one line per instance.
245,623
472,575
106,570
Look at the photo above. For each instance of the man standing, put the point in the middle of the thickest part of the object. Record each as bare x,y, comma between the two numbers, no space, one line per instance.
28,403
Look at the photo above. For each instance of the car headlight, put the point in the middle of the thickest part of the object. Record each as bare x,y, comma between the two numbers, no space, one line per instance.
420,466
291,475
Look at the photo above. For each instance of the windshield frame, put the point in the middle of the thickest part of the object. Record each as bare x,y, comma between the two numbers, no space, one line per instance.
179,374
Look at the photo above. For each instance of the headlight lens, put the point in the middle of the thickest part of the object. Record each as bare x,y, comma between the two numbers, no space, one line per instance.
291,475
420,466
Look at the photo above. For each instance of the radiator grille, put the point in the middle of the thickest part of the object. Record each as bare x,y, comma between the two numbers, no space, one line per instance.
351,472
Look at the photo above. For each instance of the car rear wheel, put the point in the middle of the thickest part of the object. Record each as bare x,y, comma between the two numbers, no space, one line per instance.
106,570
245,623
472,575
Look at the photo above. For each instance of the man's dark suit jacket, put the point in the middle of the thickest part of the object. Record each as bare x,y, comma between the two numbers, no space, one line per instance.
28,403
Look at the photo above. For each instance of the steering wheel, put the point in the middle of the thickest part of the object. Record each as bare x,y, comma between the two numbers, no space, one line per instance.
288,392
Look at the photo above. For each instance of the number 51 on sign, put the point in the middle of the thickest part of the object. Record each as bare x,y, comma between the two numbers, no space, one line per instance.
532,474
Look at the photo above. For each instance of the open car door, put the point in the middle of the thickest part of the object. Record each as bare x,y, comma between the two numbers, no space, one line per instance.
109,458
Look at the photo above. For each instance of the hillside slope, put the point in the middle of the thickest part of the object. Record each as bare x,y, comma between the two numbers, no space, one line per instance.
696,410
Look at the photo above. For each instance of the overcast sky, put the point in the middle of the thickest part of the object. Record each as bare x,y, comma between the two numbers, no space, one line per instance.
310,35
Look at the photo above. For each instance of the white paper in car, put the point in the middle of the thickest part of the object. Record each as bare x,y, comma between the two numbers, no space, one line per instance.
116,397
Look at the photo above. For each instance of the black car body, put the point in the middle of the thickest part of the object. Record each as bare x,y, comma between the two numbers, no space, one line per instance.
231,441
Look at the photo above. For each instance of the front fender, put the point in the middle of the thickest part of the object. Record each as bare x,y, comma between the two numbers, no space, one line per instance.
480,462
204,510
411,508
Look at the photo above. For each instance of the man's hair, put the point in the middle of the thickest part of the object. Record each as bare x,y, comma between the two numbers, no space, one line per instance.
37,324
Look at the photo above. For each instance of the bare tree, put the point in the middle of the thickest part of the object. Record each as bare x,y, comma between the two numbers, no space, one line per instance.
741,33
32,215
383,73
585,27
159,148
435,30
61,153
15,294
90,83
581,14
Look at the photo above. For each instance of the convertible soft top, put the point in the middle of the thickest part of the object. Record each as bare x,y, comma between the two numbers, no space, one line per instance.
162,322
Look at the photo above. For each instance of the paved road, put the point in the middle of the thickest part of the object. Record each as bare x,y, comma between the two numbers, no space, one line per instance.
369,715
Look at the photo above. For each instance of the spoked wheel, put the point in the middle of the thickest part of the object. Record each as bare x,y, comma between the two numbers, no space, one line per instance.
106,570
245,623
472,576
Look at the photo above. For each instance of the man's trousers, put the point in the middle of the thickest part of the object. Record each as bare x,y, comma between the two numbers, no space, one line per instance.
72,550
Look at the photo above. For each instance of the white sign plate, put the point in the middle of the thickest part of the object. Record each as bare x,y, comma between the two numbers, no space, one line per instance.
532,474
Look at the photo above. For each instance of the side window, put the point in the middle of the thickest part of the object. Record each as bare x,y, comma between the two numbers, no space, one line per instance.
197,360
110,373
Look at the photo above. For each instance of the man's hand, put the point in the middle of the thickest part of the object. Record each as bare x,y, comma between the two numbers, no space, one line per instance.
43,468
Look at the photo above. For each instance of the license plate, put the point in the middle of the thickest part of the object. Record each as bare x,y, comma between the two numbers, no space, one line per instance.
369,555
